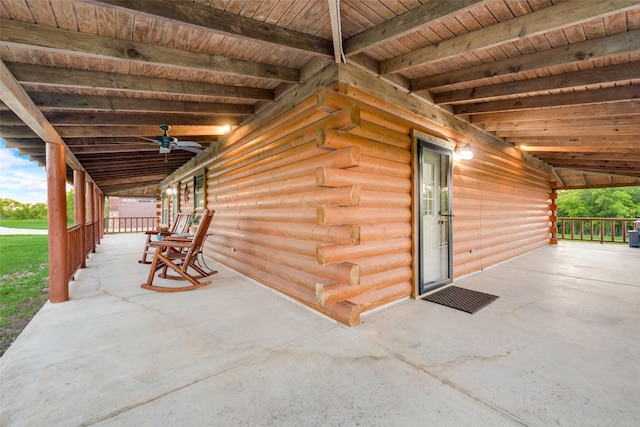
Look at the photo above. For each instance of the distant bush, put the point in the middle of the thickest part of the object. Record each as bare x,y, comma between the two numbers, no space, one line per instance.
12,209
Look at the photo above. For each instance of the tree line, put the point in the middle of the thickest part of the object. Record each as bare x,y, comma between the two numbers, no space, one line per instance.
12,209
622,202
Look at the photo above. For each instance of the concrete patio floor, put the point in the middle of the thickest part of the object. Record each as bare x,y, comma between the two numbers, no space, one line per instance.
561,346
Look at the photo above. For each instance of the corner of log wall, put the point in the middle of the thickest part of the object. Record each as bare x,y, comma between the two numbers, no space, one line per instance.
293,196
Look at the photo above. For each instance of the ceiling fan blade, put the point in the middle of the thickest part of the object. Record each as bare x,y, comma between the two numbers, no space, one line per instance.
188,144
192,149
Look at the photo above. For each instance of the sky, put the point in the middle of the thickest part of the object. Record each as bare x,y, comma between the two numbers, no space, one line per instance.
21,179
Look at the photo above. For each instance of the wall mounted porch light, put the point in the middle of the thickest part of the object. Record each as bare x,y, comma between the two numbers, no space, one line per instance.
465,152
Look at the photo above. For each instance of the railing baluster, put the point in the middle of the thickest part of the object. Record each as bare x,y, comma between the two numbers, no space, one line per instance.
130,224
602,224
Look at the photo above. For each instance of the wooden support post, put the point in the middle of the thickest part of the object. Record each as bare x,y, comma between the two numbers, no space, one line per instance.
57,218
101,212
96,213
79,211
553,217
91,214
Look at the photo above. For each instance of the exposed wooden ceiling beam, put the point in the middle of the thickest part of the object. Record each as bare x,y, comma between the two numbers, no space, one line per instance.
18,101
17,132
127,171
623,43
31,151
54,39
578,79
224,23
619,93
575,140
614,166
130,189
50,102
114,131
131,118
606,158
91,141
36,75
415,19
619,108
126,131
565,123
139,180
109,170
622,149
612,131
561,15
26,143
626,179
114,148
87,131
115,166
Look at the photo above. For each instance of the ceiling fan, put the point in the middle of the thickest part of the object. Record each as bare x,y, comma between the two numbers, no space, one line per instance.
167,142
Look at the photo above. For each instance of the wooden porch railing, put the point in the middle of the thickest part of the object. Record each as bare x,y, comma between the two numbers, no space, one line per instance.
92,238
130,224
74,242
612,230
74,246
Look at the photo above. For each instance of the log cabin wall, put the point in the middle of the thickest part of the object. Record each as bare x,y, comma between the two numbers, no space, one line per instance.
501,208
317,202
501,201
315,210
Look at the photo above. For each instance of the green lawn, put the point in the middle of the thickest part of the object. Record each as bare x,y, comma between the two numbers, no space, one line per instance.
20,253
24,283
32,224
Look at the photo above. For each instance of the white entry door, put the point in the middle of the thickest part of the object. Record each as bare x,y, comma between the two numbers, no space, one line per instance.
435,221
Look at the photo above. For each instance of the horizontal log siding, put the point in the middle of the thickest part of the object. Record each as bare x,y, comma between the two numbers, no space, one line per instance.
501,208
264,190
291,203
317,204
383,215
501,203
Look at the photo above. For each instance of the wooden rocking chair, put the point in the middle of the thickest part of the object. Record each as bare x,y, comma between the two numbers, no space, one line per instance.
180,226
180,255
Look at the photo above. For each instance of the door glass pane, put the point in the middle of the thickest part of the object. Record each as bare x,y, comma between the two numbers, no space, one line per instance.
436,219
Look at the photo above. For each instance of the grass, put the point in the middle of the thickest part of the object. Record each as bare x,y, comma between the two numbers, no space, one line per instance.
24,283
32,224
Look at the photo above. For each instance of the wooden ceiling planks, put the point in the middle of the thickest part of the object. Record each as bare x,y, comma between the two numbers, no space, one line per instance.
556,75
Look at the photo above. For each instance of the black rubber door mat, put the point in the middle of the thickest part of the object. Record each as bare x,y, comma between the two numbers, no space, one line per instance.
461,299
